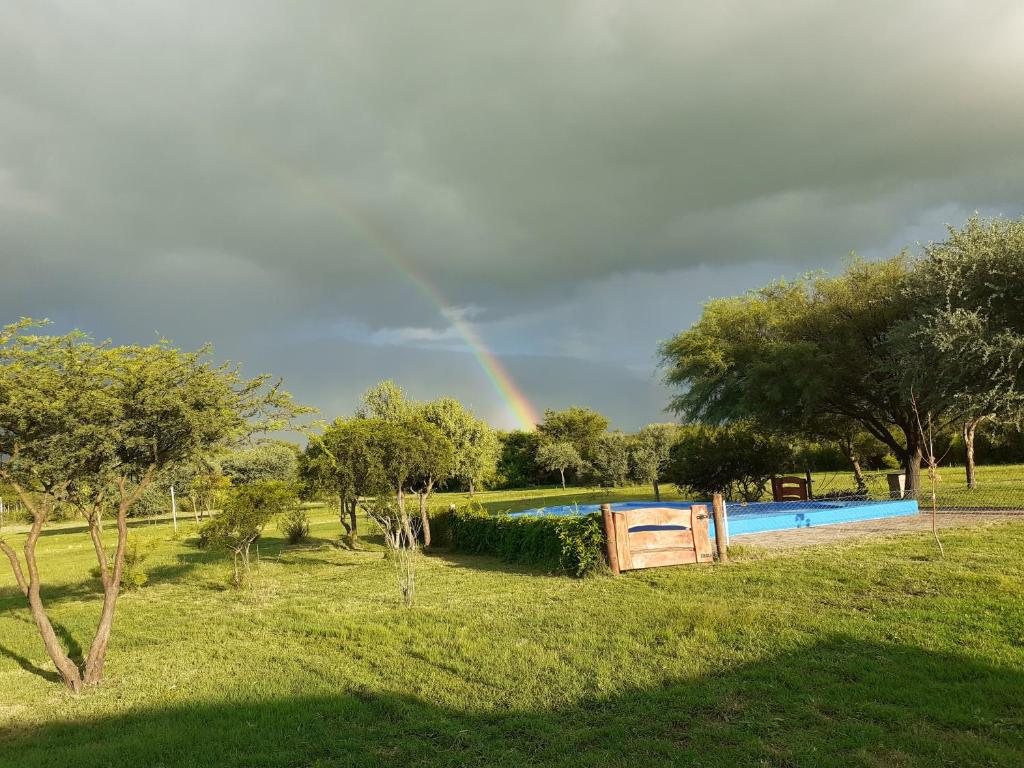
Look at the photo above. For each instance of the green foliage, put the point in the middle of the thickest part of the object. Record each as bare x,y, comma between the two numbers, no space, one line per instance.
246,513
75,415
736,460
611,459
560,457
967,343
275,460
793,354
580,427
649,451
294,524
386,402
136,553
517,460
474,443
572,545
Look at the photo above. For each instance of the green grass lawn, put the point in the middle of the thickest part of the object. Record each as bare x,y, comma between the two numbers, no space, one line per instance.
863,654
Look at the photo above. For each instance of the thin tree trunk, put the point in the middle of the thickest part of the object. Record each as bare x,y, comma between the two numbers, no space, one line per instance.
970,427
95,533
68,670
657,491
96,659
562,473
424,515
195,509
854,459
471,488
410,540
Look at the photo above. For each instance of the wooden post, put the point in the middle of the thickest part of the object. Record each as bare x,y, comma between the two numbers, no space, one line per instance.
174,510
609,536
718,510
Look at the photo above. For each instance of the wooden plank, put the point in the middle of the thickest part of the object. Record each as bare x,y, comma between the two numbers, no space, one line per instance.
609,536
662,557
658,516
701,535
718,507
622,541
643,540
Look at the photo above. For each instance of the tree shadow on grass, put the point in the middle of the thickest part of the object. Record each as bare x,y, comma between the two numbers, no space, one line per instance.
28,666
837,703
71,645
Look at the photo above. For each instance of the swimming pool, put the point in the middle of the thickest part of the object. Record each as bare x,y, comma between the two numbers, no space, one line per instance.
760,516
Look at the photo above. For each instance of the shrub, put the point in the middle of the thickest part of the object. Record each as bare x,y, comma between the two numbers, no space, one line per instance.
134,574
294,524
735,460
572,545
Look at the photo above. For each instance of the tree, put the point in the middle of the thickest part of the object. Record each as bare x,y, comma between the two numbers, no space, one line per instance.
967,346
473,441
385,401
248,510
411,454
206,486
275,460
559,456
793,353
434,462
611,459
581,427
650,452
91,425
344,462
517,459
736,460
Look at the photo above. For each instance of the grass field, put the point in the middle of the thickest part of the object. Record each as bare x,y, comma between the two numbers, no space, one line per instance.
865,654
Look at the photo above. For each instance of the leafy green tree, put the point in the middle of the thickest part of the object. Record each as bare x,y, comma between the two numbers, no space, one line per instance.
385,401
649,453
248,510
736,460
345,463
559,456
517,459
91,425
967,345
434,463
581,427
275,460
611,459
792,354
473,441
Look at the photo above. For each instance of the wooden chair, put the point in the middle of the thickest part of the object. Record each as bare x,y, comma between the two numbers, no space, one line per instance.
652,537
789,489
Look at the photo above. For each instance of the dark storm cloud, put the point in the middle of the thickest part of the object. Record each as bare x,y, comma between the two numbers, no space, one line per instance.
581,175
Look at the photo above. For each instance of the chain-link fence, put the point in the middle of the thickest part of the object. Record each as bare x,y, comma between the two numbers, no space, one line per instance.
996,489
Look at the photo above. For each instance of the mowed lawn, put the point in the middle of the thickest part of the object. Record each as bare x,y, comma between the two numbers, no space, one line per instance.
873,653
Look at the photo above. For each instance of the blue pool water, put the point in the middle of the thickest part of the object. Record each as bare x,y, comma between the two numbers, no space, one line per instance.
760,516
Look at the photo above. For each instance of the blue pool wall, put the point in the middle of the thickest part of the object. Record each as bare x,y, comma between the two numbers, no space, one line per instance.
761,516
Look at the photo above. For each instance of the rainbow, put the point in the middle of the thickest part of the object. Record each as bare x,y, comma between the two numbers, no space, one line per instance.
518,405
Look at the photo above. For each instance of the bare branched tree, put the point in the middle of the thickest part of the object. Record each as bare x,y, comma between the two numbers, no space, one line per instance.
401,535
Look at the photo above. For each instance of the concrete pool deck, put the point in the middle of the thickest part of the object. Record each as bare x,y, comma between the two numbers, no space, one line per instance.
830,534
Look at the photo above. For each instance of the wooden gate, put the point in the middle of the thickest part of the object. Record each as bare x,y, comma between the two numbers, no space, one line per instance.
652,537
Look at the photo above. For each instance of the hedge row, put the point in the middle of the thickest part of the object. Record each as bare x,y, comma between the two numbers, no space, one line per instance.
572,545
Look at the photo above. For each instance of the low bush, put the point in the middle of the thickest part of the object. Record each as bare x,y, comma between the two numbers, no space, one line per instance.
294,524
134,574
572,545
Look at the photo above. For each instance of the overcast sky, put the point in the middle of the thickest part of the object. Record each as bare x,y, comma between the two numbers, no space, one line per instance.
574,179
